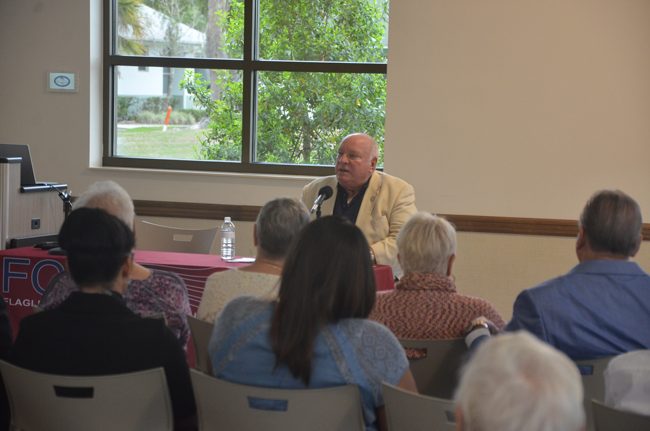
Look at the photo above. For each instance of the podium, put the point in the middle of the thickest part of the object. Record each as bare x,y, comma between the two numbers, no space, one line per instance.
30,213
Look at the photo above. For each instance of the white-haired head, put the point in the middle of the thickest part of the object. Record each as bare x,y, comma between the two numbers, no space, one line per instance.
515,382
109,196
425,243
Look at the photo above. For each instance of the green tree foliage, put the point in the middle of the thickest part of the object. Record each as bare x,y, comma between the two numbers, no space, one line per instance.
301,116
190,12
129,21
223,139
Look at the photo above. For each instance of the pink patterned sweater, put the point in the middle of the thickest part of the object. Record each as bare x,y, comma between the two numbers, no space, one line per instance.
427,306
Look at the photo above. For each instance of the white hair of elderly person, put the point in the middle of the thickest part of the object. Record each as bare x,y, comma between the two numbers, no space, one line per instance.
514,382
109,196
427,243
627,382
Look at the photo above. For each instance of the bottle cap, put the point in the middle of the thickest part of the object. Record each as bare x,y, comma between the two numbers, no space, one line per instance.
226,219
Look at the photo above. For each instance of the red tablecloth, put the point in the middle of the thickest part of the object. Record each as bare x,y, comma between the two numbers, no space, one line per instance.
25,273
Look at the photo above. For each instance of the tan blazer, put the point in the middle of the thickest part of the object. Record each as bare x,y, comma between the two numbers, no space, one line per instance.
386,206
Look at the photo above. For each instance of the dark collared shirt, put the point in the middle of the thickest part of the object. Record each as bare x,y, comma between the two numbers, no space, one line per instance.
349,210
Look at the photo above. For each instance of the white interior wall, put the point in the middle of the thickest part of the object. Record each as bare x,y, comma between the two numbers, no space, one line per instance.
519,107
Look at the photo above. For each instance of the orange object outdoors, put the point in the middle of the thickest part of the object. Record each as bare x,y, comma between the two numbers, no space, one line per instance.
169,114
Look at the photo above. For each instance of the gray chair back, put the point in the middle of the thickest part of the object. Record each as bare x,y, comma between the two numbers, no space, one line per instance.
157,237
607,418
408,411
437,374
120,402
223,405
201,333
593,383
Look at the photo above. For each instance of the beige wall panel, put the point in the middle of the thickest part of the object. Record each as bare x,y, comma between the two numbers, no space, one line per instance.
519,107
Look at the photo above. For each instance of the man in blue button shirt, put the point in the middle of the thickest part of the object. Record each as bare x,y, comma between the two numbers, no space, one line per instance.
602,306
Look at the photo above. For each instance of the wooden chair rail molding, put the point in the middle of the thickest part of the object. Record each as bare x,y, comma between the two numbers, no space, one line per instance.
463,223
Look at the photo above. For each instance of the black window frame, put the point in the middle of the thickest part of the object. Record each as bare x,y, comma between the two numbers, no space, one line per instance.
249,66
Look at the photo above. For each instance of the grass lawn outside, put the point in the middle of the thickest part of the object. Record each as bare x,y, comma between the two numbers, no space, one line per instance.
178,142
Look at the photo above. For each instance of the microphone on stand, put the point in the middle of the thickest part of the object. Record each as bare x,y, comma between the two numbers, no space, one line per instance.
324,194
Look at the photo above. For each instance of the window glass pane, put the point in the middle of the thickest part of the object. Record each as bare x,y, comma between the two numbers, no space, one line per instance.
171,113
197,114
180,28
302,116
324,30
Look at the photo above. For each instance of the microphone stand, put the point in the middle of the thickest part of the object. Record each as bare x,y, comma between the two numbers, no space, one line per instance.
65,196
318,211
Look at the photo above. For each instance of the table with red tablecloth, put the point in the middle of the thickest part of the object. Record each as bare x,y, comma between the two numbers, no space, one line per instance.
25,273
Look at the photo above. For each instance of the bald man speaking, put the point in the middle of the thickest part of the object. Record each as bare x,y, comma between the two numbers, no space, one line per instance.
378,203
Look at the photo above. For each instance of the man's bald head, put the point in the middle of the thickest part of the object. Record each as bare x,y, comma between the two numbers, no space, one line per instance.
356,161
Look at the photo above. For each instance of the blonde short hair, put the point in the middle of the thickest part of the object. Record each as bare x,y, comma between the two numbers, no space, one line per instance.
425,243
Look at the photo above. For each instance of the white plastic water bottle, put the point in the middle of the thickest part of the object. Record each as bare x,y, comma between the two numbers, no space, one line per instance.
227,239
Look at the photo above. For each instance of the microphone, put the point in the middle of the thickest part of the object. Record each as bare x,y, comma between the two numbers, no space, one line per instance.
323,194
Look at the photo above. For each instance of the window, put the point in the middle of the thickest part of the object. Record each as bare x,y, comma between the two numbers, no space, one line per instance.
266,86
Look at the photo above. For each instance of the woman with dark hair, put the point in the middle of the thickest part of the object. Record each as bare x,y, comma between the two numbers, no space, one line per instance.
93,332
316,334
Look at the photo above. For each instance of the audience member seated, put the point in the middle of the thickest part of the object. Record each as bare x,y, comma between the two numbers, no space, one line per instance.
627,382
514,383
316,334
425,303
602,306
277,224
92,332
151,293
